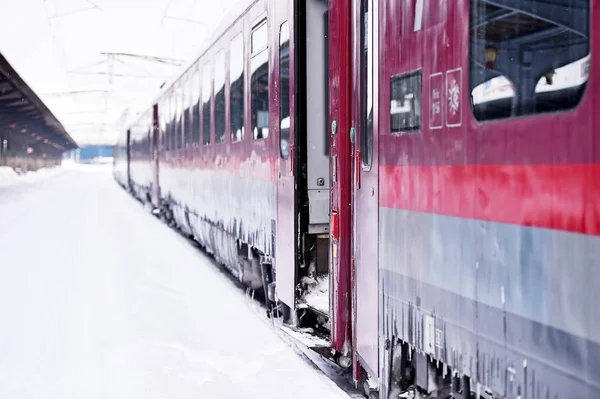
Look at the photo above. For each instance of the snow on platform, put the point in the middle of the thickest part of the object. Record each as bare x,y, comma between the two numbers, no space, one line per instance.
9,177
99,299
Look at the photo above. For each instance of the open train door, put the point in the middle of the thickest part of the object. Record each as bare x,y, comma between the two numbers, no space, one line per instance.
340,92
283,89
365,207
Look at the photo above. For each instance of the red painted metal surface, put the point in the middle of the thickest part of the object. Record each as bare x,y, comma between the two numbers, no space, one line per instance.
340,68
540,171
559,196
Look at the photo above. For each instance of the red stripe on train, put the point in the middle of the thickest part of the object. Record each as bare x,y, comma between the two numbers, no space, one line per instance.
562,197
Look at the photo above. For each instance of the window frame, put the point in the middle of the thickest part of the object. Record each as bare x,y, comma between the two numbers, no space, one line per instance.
403,76
470,72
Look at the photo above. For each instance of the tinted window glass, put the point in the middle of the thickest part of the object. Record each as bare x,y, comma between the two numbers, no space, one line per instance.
206,90
196,106
236,91
259,66
366,136
220,97
189,117
180,118
162,124
527,58
170,131
284,91
405,104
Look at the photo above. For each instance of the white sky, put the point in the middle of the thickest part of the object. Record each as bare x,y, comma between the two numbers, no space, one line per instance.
56,46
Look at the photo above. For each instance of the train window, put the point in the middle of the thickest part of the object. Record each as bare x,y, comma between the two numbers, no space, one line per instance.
284,90
182,113
405,102
175,116
219,89
236,89
366,100
164,123
527,59
179,116
189,117
171,106
259,85
196,106
260,37
206,91
161,123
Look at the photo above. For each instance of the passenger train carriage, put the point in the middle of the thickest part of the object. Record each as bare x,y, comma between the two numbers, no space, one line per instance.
416,181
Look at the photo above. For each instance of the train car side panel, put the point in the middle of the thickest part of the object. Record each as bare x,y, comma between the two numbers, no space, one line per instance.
488,216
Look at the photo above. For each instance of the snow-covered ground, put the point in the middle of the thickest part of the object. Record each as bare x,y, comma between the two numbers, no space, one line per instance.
98,299
8,177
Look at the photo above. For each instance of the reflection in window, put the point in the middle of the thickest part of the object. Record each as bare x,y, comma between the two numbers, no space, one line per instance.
259,84
236,90
405,104
366,136
528,59
284,91
220,97
206,91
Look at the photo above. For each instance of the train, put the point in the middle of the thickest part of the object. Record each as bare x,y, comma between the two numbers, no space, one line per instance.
415,183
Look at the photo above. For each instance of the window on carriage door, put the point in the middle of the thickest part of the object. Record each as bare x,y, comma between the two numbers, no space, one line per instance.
259,83
366,85
284,91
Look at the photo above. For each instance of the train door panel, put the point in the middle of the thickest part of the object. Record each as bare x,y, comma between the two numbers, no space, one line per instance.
283,92
128,146
365,186
154,156
340,93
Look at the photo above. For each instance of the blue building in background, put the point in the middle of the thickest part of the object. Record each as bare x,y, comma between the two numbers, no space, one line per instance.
91,154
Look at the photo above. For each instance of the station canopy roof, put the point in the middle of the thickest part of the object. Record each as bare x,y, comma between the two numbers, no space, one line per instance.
25,120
